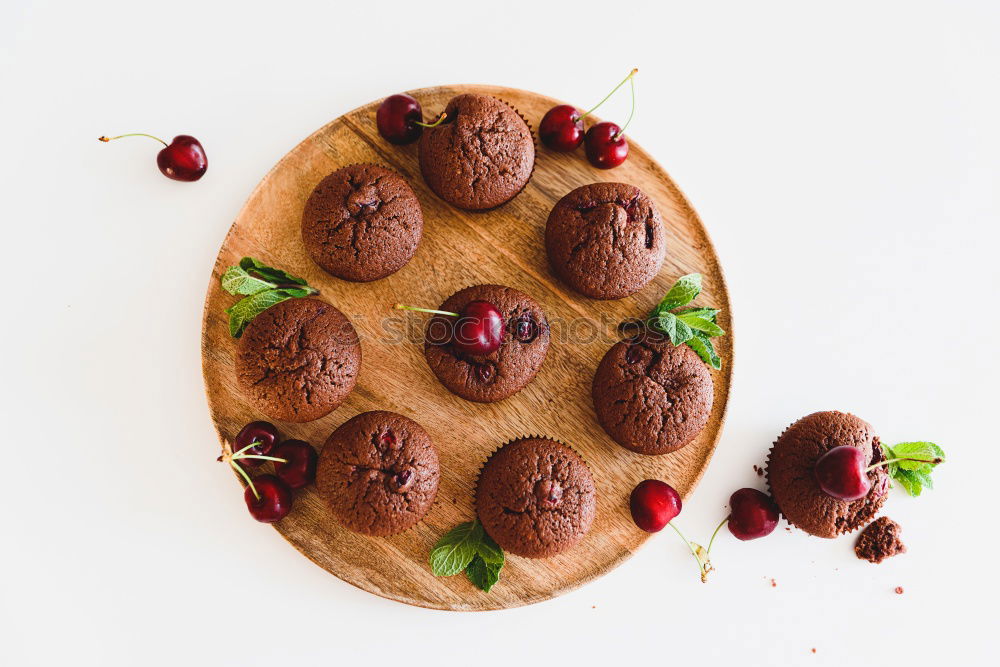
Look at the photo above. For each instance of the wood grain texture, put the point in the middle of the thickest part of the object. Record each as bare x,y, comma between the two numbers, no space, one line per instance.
459,249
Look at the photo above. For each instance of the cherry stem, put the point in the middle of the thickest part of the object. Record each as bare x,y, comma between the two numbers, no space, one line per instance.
630,113
704,565
594,108
717,529
439,120
231,457
933,462
133,134
400,306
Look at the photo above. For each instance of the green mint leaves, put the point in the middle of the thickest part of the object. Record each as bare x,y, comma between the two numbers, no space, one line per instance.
692,326
911,464
262,286
467,547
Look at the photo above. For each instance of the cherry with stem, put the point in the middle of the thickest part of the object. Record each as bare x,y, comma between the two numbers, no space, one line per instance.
232,458
561,128
183,159
478,331
842,472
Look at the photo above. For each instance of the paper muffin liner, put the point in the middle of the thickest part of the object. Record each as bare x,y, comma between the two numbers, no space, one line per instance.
770,490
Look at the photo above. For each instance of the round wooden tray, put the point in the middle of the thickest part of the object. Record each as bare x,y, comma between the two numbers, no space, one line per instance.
459,249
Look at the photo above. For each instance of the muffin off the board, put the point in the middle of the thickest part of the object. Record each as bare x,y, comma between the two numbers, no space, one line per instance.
298,360
362,223
651,396
605,240
790,474
379,473
500,374
481,156
536,497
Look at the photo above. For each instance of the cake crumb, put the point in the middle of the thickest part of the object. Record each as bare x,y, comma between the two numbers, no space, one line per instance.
899,590
880,540
813,650
774,584
760,471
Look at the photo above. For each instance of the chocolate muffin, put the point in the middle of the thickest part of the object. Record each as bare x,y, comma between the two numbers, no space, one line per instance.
481,156
536,497
502,373
362,223
605,240
650,396
880,540
791,476
379,473
298,360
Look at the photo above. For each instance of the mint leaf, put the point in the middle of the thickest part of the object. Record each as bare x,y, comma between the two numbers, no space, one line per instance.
699,323
483,575
911,480
264,286
708,313
680,294
456,549
702,344
237,281
490,551
677,331
259,269
250,307
927,451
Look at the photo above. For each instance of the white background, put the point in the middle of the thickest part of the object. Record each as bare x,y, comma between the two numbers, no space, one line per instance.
844,158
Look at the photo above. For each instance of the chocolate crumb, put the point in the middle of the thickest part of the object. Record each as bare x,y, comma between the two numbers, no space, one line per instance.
813,650
880,540
774,584
899,590
758,470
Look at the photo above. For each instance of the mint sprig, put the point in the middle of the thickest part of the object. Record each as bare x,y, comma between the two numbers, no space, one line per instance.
468,548
262,287
911,464
695,327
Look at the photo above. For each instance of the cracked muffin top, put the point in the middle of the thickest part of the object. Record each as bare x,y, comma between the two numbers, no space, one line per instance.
535,497
507,370
650,396
481,156
605,240
790,474
362,223
379,473
298,360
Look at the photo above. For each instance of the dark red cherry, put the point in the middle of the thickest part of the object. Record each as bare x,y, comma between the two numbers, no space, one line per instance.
561,128
260,432
486,372
654,504
841,473
525,329
183,159
752,514
397,119
275,501
299,468
479,330
606,145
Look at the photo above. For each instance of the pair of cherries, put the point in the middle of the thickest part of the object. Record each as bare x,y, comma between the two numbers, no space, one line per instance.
269,497
562,130
654,504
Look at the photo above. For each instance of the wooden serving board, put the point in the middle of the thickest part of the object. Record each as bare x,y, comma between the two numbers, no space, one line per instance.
458,249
